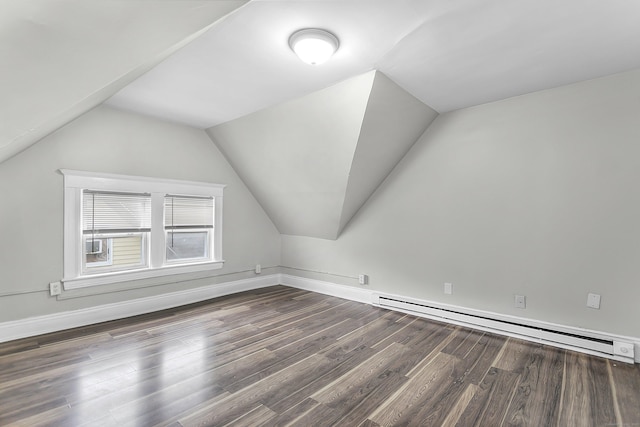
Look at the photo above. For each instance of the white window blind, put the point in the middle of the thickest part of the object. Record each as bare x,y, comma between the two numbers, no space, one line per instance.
184,212
110,212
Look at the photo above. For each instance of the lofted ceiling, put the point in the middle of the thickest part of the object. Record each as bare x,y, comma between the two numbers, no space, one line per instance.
312,162
59,58
448,54
331,133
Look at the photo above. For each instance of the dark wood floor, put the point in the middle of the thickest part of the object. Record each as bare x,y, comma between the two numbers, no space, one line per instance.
281,356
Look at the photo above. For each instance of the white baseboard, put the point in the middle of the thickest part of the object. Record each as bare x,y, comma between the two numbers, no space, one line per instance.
71,319
327,288
33,326
370,297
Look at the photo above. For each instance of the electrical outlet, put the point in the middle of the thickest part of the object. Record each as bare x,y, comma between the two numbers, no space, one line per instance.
55,288
363,279
520,301
448,288
593,301
258,269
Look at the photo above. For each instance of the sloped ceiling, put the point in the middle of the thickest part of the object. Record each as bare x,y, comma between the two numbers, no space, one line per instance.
331,145
393,121
312,162
448,54
60,58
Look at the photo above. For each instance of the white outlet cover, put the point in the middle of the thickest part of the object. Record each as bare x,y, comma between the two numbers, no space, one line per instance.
55,288
520,301
448,288
593,301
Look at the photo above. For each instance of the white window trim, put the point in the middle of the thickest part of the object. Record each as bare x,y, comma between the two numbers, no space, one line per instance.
76,181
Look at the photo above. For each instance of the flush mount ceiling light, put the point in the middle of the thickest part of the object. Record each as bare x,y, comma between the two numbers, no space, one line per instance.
313,46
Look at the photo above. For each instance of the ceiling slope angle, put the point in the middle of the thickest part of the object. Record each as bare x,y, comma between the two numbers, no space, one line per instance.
60,59
393,122
313,162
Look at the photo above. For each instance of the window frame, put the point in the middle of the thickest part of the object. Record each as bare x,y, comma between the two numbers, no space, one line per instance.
76,181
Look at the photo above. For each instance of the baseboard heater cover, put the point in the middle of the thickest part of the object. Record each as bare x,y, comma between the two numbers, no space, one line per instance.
574,340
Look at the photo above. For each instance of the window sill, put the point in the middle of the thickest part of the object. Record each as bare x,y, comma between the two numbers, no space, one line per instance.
126,276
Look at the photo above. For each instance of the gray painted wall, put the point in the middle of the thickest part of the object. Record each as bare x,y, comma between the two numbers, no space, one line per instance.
535,195
110,140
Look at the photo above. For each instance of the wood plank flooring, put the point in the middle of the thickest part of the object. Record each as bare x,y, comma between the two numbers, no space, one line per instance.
281,356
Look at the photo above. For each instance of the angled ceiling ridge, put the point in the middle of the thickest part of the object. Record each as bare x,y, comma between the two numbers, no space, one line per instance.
393,122
314,161
106,64
296,156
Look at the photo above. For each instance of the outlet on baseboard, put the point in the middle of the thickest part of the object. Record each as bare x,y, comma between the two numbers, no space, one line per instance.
363,279
258,269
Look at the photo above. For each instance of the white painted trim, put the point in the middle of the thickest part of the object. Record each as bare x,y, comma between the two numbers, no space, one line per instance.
125,276
142,184
72,319
327,288
55,322
511,330
75,181
495,316
371,297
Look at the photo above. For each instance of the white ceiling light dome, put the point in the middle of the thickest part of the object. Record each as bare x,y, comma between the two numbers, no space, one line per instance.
313,45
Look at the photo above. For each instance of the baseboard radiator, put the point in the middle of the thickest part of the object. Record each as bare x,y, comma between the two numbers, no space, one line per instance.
542,333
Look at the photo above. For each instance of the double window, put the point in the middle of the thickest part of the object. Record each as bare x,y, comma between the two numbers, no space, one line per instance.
120,228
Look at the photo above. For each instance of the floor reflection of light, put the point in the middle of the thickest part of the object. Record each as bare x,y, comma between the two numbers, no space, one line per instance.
183,362
174,374
129,385
100,388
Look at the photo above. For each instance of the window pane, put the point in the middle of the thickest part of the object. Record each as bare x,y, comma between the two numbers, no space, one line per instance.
97,252
187,245
115,252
